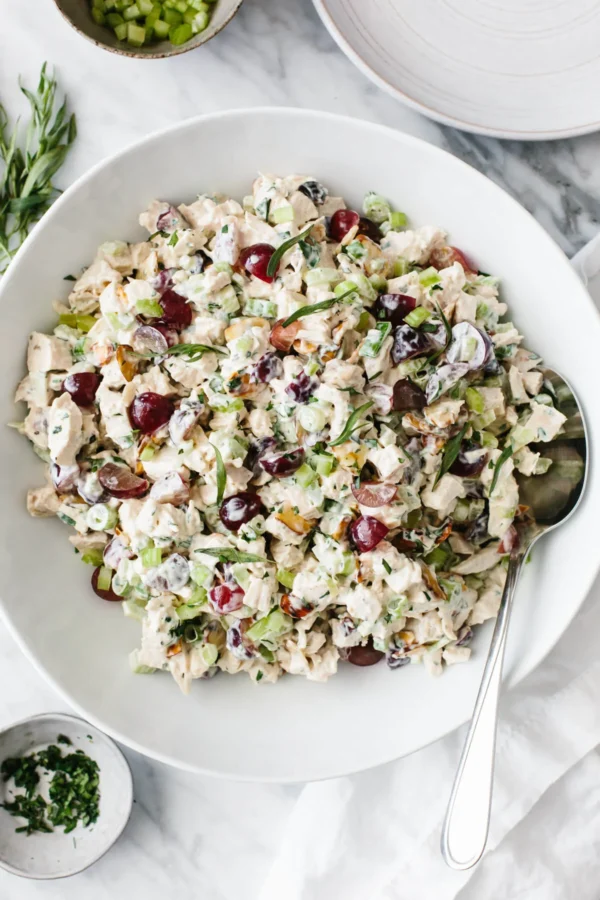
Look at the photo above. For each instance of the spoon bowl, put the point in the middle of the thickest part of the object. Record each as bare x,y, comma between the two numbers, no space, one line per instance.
546,501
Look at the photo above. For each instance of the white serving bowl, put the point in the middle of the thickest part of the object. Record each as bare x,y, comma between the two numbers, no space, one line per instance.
294,730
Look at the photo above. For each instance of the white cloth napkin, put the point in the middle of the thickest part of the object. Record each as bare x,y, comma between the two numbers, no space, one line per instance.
376,836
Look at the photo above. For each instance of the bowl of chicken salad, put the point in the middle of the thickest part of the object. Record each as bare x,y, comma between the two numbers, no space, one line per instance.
279,423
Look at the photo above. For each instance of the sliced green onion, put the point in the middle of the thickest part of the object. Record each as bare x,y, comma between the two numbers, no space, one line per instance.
150,308
417,316
101,517
221,475
352,424
151,557
373,342
283,248
376,208
104,578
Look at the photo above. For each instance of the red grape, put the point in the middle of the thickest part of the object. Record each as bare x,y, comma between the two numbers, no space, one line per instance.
255,260
240,508
442,257
393,307
104,594
315,191
176,310
470,461
115,551
64,478
268,367
82,387
283,464
150,411
341,223
374,494
302,388
237,642
364,656
367,532
408,343
148,339
226,598
369,229
120,481
408,396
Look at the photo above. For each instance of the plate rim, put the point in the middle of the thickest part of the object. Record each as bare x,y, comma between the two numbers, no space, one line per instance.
507,134
397,134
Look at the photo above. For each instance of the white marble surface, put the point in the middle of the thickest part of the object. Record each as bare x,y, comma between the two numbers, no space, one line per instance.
190,836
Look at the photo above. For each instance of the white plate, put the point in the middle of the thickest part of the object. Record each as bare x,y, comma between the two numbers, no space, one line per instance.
293,730
524,69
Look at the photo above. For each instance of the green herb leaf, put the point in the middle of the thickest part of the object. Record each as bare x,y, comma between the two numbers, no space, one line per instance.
173,239
352,424
283,248
387,566
315,308
194,352
221,475
69,278
27,167
506,454
451,451
229,554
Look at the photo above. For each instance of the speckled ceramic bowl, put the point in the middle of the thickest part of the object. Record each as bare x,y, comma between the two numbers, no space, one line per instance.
57,855
78,14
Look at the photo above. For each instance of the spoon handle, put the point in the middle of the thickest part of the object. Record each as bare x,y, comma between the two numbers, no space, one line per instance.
466,825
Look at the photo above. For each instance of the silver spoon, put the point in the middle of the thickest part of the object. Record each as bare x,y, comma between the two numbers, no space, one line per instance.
552,498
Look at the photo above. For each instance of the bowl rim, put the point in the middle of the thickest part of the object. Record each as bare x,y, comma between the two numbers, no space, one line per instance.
374,127
133,54
127,786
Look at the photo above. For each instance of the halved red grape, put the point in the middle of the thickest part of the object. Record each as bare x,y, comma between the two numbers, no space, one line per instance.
255,451
226,598
408,396
150,411
382,397
469,345
170,220
282,338
82,387
364,656
369,229
255,260
408,343
147,339
115,551
176,310
237,642
315,191
470,461
240,508
477,532
283,464
341,223
103,594
90,489
120,481
64,478
163,280
367,532
302,388
393,307
442,257
267,368
374,494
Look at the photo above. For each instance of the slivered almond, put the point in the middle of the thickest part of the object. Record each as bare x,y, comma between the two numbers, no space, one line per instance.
174,649
128,368
294,522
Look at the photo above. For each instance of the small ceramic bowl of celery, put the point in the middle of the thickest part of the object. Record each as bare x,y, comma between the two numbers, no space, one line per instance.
148,29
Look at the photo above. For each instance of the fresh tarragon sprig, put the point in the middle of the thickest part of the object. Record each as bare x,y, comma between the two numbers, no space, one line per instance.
29,162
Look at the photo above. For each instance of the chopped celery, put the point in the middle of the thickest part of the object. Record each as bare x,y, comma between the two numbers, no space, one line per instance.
81,323
151,557
474,400
376,208
488,439
265,309
286,578
417,316
373,342
145,7
101,517
437,557
484,419
121,31
136,35
152,17
150,308
161,29
200,22
429,277
114,18
131,12
378,282
181,5
400,267
147,453
343,287
304,476
191,609
323,463
312,367
320,275
282,214
210,654
201,575
365,321
104,578
179,34
275,623
398,220
93,557
98,16
172,16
